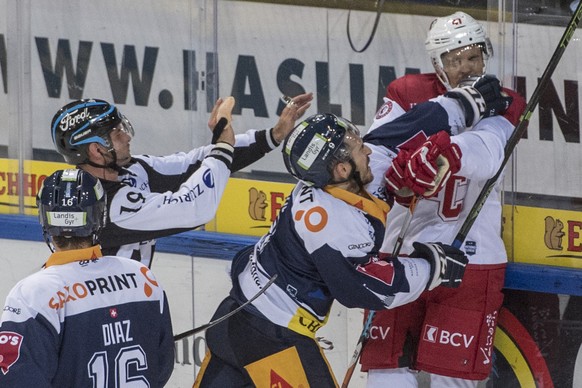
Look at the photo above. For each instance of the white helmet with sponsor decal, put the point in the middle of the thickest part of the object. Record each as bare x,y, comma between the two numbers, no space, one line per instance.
453,32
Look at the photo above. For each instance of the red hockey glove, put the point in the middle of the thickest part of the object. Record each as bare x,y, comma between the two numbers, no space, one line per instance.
396,181
431,165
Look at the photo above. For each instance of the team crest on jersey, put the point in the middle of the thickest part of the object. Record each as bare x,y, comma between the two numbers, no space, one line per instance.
384,110
10,343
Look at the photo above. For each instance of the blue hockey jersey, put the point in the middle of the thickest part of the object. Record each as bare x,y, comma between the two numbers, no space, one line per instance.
86,320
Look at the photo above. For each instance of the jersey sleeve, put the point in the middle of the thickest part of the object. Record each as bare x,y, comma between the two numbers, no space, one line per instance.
166,353
344,255
136,215
375,285
252,146
411,129
31,333
483,148
163,173
517,107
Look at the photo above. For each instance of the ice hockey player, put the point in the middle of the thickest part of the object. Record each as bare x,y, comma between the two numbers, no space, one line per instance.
322,247
150,196
83,320
458,48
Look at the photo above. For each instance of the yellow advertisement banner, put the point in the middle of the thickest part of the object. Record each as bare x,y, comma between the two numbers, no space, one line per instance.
532,235
249,207
34,173
543,236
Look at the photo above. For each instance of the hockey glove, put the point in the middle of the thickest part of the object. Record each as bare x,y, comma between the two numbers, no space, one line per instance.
432,164
480,97
447,264
396,181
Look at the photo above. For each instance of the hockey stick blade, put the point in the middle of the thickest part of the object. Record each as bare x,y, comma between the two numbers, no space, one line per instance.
368,324
521,126
208,325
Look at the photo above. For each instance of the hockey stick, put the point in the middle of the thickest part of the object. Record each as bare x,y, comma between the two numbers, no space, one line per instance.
521,126
368,324
208,325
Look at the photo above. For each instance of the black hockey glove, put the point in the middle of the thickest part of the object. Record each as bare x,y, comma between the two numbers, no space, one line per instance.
447,264
480,97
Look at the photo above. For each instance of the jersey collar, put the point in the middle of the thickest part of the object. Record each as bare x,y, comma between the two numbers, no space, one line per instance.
372,205
64,257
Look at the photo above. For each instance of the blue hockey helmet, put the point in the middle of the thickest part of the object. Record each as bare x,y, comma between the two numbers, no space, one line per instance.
71,203
315,146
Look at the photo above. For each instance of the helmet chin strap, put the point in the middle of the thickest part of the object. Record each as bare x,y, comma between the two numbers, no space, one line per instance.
111,165
48,240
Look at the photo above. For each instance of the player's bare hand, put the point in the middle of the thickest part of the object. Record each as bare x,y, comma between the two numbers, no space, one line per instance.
292,112
213,120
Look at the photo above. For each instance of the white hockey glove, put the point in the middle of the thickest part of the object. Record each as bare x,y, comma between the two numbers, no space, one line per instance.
432,164
447,264
480,97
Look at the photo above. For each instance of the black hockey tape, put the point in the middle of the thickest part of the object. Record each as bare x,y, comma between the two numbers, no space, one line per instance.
218,128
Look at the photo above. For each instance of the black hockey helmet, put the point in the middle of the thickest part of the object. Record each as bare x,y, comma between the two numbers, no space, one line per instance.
71,203
82,122
314,147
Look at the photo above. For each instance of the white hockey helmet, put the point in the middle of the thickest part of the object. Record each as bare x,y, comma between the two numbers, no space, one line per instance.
452,32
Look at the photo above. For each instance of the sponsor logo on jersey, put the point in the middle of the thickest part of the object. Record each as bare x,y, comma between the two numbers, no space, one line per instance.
470,247
491,322
10,343
191,195
208,179
379,332
359,245
92,287
444,337
12,310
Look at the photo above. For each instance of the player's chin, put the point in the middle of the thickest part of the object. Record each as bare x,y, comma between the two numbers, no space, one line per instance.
369,177
123,161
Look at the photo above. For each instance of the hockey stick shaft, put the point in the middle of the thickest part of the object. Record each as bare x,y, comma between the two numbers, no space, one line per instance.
208,325
521,126
368,324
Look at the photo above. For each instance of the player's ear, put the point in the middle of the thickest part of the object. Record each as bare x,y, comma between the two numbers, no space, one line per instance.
95,151
341,171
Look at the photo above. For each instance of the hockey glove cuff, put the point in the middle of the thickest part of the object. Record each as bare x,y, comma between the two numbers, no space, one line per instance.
447,264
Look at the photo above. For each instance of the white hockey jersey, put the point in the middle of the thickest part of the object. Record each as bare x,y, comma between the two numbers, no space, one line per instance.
322,248
158,196
440,218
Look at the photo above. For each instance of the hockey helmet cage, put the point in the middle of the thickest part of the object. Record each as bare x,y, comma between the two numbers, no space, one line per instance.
82,122
453,32
314,146
71,203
